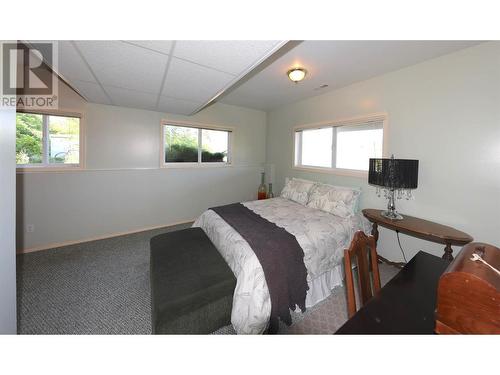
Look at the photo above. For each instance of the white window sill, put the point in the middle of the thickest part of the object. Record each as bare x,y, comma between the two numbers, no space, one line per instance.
195,165
44,168
336,171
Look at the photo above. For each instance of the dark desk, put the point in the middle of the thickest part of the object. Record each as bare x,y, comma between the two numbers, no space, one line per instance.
405,305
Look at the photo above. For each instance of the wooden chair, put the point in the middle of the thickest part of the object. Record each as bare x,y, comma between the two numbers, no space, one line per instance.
360,246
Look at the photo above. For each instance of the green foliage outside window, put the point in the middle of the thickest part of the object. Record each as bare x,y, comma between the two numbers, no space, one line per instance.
181,145
63,139
28,138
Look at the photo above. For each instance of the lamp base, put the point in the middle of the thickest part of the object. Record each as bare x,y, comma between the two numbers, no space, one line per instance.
392,215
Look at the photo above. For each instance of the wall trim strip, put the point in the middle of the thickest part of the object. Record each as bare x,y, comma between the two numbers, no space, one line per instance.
103,237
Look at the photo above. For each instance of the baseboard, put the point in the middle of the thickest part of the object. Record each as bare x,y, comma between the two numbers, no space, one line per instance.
103,237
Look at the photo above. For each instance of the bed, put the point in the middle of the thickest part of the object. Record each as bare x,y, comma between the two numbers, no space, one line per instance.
321,235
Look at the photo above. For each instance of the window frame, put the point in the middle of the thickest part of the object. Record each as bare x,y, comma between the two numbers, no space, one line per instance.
199,163
47,167
358,120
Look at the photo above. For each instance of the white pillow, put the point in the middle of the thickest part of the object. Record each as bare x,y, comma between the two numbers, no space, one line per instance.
338,200
297,190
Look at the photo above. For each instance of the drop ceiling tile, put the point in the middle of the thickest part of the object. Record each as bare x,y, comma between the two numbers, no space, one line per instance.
70,64
91,91
231,56
177,106
132,99
163,46
193,82
123,65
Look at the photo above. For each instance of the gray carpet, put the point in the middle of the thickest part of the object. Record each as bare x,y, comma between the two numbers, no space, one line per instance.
325,317
102,287
98,287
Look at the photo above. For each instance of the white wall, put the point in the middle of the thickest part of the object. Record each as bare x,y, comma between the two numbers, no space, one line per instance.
7,220
444,112
123,189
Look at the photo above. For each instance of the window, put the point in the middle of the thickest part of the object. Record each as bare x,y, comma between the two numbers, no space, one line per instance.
195,145
347,145
44,140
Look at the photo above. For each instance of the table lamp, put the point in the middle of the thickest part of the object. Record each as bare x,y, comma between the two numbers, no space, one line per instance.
396,178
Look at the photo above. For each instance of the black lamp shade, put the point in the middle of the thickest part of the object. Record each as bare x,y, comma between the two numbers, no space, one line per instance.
393,173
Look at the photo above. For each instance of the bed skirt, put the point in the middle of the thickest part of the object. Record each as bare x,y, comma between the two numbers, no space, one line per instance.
321,287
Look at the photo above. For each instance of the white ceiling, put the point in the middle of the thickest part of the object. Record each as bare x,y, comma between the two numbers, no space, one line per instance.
336,64
166,76
182,76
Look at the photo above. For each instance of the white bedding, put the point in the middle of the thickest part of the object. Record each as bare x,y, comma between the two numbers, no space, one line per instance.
322,236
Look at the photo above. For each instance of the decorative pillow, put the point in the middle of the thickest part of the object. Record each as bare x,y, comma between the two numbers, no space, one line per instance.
297,190
338,200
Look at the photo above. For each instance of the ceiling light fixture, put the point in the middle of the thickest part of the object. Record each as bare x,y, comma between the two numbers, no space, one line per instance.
296,74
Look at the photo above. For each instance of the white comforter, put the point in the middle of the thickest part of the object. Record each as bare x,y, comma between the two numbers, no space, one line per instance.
322,236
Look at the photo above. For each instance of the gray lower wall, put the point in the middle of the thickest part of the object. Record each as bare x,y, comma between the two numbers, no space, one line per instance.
7,221
122,187
72,206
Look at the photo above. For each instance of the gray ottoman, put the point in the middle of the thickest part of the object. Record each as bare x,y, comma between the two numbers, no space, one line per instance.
191,284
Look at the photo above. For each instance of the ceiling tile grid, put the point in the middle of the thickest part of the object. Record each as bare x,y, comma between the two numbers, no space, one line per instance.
169,76
71,65
183,76
162,46
92,90
229,56
189,81
123,65
132,98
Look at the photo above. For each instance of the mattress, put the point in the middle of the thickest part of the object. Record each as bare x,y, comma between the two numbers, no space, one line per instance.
322,236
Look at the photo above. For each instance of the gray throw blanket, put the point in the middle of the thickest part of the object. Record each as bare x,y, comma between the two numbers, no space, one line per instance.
280,256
